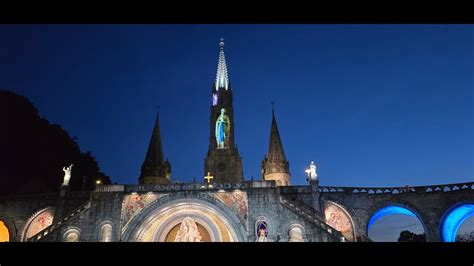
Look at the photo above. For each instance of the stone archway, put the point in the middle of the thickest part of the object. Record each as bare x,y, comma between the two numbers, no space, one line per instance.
389,208
162,221
37,222
452,220
338,217
4,232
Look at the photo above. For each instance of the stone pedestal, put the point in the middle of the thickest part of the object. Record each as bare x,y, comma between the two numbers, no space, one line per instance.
64,190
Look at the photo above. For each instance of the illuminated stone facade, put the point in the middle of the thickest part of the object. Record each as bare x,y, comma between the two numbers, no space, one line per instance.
229,208
243,212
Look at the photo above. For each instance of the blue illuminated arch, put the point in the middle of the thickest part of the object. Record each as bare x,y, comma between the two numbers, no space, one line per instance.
453,221
388,211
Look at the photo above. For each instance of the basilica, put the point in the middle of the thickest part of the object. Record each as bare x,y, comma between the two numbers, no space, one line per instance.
224,206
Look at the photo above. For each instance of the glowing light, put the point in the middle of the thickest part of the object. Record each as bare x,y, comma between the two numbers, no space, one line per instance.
214,99
209,177
388,211
222,79
222,131
4,234
98,182
453,221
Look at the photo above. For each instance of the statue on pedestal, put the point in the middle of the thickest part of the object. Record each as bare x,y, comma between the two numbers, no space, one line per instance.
67,174
262,236
311,172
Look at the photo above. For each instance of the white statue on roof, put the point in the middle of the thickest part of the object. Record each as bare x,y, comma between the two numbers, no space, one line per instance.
67,174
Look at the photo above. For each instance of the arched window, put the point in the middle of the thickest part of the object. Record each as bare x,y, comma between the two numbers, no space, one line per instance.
262,226
261,230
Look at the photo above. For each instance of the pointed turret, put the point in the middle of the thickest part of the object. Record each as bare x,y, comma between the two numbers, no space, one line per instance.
274,165
154,169
155,148
275,148
222,79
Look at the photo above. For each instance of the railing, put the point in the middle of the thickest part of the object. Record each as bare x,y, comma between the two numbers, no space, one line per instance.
178,186
398,190
312,215
55,226
109,188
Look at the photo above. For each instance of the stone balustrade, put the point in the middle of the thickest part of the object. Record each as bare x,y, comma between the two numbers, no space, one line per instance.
398,190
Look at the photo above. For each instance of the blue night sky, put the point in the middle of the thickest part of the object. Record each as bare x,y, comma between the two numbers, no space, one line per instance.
372,105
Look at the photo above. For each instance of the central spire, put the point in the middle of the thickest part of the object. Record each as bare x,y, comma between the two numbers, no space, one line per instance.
222,80
222,161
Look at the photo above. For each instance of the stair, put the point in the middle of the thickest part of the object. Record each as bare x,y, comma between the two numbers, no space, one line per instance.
310,214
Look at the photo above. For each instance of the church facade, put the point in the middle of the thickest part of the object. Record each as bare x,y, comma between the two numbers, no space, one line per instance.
224,207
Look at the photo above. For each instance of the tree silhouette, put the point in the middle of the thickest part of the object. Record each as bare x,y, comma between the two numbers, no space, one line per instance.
34,151
466,237
407,236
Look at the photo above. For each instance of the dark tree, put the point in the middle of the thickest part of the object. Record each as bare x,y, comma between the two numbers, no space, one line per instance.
34,151
407,236
466,237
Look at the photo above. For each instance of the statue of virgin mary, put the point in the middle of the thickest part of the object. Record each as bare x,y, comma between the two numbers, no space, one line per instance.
188,231
222,129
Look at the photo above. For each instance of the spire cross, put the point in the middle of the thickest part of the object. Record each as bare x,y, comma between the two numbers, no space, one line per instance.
158,108
208,177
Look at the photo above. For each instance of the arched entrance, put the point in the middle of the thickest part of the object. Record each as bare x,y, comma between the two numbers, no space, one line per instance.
453,219
339,218
37,222
394,219
184,220
4,233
